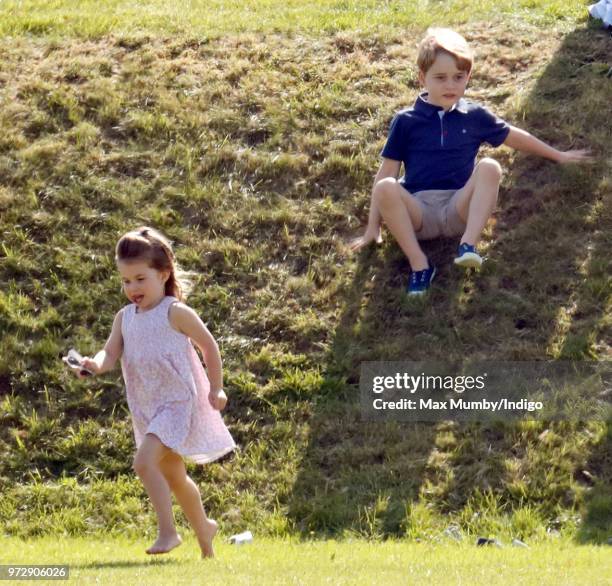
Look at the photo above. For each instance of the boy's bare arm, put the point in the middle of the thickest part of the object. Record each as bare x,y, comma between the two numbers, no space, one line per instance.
388,168
523,141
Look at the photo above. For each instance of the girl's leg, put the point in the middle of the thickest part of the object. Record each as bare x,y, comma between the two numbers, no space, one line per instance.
147,466
478,198
188,495
403,215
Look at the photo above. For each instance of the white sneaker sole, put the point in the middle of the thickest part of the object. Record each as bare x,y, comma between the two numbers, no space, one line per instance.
469,260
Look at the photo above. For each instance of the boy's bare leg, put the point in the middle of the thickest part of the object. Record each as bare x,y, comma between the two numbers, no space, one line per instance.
147,466
478,198
188,496
402,214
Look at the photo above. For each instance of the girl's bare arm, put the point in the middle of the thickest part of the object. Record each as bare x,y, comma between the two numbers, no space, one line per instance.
188,322
105,360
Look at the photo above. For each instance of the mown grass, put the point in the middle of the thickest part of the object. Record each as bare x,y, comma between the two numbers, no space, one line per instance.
255,153
219,17
267,561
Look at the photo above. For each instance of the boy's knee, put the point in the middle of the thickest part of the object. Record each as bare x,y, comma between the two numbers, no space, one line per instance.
491,167
386,189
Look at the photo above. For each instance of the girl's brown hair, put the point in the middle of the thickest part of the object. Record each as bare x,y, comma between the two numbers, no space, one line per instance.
444,40
147,244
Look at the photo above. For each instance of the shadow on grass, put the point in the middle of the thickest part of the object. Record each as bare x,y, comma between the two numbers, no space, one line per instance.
539,296
582,334
596,526
125,564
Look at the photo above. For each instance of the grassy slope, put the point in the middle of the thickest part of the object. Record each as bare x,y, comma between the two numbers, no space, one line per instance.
230,145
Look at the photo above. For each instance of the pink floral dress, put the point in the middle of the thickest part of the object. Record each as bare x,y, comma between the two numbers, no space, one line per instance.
167,387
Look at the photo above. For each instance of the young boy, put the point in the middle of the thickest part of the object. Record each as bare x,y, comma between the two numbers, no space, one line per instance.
442,192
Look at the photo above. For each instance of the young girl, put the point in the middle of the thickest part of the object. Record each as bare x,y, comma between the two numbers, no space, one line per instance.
174,407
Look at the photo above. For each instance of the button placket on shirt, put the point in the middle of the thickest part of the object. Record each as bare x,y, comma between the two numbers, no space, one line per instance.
441,115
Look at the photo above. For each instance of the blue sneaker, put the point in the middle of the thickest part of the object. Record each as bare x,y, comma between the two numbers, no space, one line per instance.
420,281
467,257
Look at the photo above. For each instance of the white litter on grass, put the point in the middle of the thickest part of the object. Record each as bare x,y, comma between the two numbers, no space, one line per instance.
453,532
519,543
241,538
484,541
602,10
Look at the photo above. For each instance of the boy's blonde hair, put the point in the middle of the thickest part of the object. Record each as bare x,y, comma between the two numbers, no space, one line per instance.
444,40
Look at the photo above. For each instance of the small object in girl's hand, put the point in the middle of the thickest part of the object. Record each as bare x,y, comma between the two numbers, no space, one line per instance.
74,360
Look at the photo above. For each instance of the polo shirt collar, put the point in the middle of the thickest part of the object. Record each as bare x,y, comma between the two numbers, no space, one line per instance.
423,106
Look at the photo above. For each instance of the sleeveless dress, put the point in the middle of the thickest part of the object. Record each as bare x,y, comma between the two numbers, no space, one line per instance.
167,387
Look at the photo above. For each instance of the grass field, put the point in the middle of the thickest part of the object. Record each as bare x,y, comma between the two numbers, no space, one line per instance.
219,17
354,562
251,138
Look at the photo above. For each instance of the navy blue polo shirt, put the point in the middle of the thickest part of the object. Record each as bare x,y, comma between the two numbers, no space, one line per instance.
439,148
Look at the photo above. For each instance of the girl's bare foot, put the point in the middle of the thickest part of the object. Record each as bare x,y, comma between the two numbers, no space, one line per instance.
164,544
364,240
207,538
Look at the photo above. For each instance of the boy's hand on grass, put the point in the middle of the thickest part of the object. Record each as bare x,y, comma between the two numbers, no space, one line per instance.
575,156
361,241
218,399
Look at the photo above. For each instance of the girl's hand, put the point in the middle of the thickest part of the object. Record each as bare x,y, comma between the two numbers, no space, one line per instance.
218,399
88,367
575,156
90,364
82,367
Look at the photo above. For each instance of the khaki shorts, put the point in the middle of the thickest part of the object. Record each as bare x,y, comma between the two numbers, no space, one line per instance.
440,215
